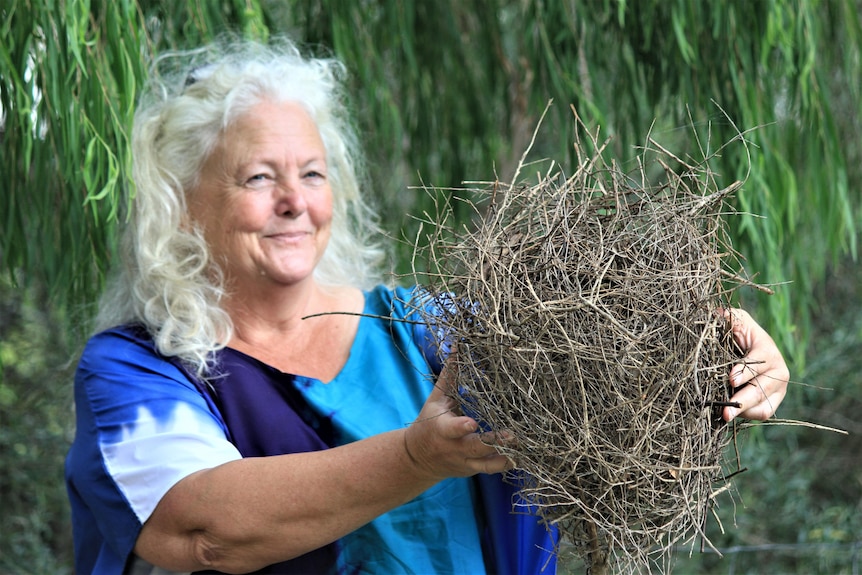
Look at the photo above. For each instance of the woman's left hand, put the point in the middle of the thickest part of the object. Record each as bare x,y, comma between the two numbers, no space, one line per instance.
760,379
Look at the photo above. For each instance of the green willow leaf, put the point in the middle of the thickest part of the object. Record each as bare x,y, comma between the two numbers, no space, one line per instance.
449,91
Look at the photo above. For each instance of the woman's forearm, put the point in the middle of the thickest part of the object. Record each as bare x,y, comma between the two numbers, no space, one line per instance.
253,512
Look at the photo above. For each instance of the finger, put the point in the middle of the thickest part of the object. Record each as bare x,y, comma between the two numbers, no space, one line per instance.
755,401
746,397
493,464
446,390
741,325
740,374
478,446
502,438
442,400
485,458
760,379
761,411
446,382
739,321
451,425
746,332
748,373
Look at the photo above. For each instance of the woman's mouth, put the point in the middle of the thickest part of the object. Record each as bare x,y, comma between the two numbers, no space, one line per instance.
288,236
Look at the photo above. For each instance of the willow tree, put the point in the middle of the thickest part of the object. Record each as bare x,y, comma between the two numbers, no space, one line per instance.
443,92
451,91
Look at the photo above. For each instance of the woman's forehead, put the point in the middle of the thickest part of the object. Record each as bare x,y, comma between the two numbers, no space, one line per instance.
274,128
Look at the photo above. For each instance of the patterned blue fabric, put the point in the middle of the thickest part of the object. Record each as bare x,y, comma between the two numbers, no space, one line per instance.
382,387
144,423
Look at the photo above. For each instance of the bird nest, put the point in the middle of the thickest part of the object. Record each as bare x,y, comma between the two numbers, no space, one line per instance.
583,314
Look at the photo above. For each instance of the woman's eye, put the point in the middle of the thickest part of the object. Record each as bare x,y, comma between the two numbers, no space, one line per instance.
257,178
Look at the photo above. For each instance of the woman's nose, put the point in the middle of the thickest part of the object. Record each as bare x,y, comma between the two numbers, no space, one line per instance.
290,198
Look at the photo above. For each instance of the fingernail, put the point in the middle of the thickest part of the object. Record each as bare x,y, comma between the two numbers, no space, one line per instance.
732,412
505,436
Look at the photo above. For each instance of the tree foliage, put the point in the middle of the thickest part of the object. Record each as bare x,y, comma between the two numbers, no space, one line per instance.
451,91
35,411
443,92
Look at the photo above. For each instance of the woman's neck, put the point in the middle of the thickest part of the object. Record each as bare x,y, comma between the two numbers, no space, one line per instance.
278,331
278,311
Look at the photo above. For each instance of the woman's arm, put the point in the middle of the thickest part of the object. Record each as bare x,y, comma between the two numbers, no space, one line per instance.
246,514
760,380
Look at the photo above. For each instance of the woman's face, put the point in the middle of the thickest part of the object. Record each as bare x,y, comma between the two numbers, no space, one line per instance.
264,201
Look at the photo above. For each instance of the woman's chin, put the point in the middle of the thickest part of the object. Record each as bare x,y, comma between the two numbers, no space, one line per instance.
288,277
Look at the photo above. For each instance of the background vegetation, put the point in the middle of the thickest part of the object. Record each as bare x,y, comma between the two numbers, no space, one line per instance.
446,92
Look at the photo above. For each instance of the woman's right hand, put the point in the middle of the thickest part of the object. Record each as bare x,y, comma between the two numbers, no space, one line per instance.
443,443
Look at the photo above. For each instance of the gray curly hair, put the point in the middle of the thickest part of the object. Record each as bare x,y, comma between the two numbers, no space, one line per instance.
167,280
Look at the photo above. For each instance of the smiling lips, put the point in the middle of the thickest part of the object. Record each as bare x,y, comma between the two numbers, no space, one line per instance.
288,236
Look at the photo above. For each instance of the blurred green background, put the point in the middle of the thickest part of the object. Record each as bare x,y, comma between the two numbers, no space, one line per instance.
446,92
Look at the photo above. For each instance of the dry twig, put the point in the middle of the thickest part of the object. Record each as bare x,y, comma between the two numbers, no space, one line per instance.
583,310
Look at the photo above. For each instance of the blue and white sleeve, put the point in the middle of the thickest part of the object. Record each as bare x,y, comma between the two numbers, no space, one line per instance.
142,426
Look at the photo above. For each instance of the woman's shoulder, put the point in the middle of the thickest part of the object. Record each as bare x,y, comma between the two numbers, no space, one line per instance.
125,349
122,338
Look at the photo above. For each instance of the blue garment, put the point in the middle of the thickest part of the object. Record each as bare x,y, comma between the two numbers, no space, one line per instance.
130,398
382,387
142,425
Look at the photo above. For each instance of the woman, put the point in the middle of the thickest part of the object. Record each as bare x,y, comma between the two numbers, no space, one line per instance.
219,430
